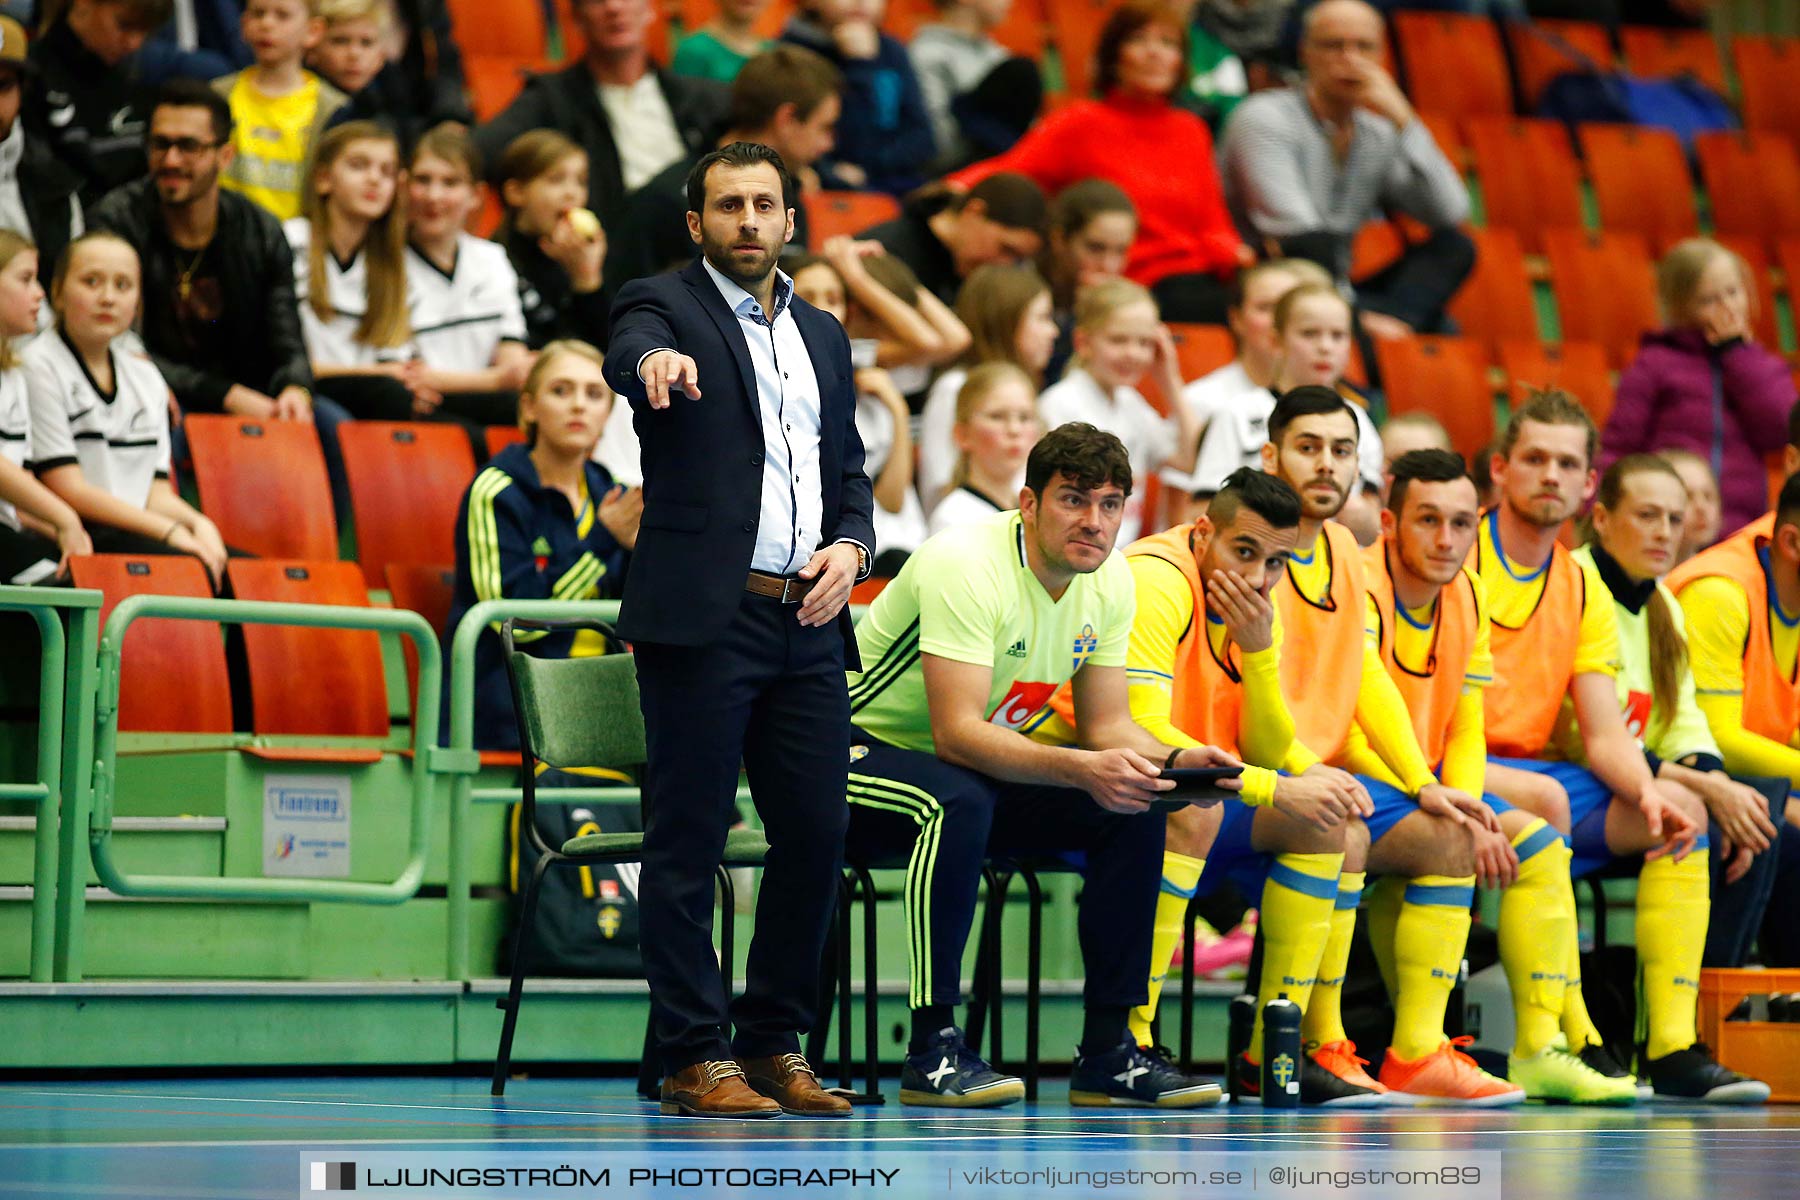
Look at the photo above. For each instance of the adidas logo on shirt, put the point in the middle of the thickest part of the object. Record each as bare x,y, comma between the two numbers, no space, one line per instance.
1017,649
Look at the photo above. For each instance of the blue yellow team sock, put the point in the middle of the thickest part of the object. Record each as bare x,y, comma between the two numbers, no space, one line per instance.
1430,936
1297,902
1380,910
1672,911
1537,936
1324,1020
1577,1025
1180,876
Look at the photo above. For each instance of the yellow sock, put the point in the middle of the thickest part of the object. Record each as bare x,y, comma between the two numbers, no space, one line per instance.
1381,908
1429,938
1297,902
1672,910
1324,1020
1180,876
1537,929
1576,1024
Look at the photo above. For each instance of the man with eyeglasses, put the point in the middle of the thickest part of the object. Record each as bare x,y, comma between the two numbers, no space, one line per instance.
37,193
1304,168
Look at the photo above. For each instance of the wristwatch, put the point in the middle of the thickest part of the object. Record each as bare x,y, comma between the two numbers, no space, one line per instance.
862,559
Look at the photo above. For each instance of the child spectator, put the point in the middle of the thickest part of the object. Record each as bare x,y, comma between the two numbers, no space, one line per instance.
37,193
720,48
1092,226
464,295
1702,383
1119,336
884,140
38,530
100,413
980,97
278,107
351,53
913,331
996,425
556,246
1007,312
87,102
1700,524
349,247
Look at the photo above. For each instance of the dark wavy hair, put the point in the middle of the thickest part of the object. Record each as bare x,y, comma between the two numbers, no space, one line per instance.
737,154
1088,456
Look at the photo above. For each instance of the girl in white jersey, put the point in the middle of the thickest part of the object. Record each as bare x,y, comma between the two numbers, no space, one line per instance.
100,413
38,531
349,248
996,426
464,295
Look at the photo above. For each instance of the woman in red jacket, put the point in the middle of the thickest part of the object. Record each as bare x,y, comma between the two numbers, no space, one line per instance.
1187,249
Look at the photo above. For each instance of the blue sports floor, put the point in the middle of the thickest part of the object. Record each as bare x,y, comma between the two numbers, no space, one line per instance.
250,1138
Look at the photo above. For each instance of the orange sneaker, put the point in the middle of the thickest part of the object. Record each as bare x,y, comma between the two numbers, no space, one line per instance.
1340,1059
1446,1078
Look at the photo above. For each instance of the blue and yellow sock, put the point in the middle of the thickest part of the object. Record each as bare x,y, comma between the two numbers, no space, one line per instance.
1324,1020
1430,935
1672,911
1180,876
1537,931
1297,902
1380,911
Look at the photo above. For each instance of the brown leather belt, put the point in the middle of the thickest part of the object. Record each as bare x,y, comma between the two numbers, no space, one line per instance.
789,589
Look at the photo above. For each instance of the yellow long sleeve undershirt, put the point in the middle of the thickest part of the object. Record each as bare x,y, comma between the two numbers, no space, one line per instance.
1386,728
1718,621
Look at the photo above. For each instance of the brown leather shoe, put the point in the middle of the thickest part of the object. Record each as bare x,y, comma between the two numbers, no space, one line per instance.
713,1089
786,1079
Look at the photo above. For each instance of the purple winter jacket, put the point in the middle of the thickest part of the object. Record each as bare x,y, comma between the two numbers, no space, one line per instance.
1728,404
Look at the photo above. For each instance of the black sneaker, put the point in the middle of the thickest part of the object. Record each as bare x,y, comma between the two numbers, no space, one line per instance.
947,1074
1694,1076
1130,1076
1318,1086
1600,1060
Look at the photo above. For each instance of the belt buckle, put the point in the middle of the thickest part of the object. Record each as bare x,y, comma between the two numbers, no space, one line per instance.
793,590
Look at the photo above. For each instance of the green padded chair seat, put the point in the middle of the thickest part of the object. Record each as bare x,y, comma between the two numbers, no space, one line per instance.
743,847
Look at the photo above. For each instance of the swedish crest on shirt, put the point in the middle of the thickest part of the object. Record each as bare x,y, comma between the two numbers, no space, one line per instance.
1085,644
857,753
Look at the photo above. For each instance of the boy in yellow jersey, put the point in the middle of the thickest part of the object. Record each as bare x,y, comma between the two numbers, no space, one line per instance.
961,654
1203,670
278,107
1742,603
1554,634
1428,620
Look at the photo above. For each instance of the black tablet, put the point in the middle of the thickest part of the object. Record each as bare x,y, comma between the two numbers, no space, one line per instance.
1196,785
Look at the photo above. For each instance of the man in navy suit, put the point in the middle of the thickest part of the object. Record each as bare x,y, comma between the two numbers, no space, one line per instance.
757,521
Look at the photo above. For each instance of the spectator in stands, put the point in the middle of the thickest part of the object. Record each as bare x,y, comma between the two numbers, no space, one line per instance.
912,330
1007,311
38,529
633,118
1092,226
981,97
37,193
1307,166
719,49
464,297
1187,250
422,86
997,423
1700,525
786,98
86,101
944,236
100,413
555,245
1119,341
278,107
543,521
1702,383
349,246
884,139
202,41
1411,431
1236,44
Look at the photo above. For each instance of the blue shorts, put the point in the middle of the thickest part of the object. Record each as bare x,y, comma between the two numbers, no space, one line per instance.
1232,857
1391,807
1588,801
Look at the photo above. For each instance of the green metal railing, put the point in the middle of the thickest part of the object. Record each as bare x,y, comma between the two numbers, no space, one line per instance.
63,680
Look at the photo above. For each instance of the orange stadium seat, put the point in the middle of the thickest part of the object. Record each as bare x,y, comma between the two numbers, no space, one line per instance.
429,590
1443,376
831,213
1537,59
173,678
1075,32
1578,367
305,680
1375,248
511,28
1529,181
1446,131
1605,288
499,437
1766,69
1453,64
1641,181
1201,349
1753,180
406,481
263,484
1495,302
1663,53
494,81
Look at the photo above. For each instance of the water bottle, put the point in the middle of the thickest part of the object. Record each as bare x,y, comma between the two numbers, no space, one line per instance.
1237,1037
1281,1053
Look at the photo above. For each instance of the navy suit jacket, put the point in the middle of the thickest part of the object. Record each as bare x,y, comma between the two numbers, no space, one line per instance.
703,459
